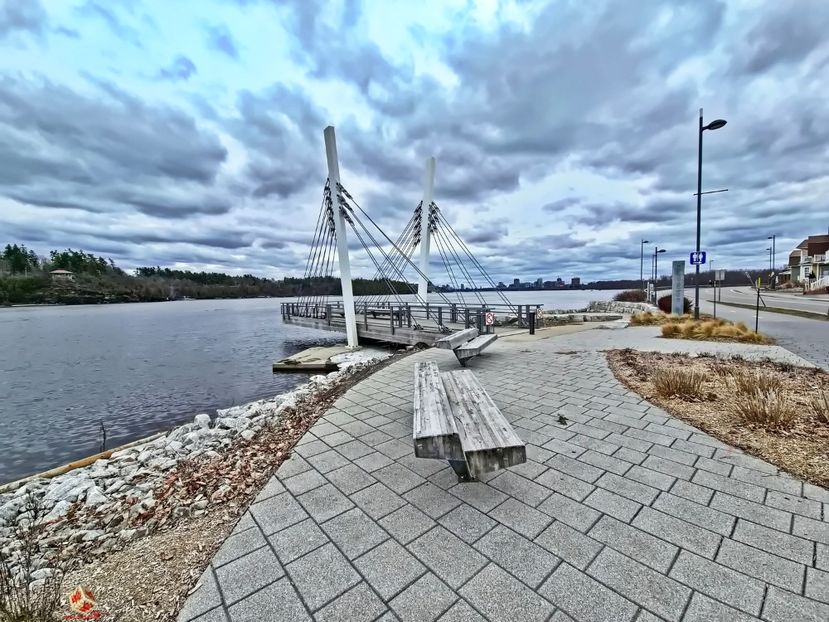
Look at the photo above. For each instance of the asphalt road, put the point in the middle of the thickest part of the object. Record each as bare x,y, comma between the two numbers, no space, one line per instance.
748,296
805,337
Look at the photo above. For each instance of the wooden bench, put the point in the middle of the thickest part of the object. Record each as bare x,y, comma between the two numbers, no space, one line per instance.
466,343
455,420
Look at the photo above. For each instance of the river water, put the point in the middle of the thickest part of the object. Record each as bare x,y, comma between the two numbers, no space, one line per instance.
141,368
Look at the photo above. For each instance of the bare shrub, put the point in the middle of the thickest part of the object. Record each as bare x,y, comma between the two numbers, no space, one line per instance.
29,585
819,406
766,409
630,295
678,382
749,383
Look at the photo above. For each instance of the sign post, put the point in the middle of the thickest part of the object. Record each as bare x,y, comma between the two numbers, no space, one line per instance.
678,287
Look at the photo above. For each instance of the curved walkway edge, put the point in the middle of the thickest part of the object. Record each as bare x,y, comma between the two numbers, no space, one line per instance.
620,513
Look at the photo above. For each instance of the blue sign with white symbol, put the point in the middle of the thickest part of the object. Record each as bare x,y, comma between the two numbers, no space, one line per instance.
697,259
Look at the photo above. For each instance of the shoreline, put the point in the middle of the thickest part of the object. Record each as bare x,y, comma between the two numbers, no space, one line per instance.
104,505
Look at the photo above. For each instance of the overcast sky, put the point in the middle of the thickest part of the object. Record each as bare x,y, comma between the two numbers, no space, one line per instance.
189,134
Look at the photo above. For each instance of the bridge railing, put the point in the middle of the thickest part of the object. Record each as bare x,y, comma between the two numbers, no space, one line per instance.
434,317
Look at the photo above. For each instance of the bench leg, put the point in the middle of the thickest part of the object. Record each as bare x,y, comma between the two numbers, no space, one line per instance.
459,466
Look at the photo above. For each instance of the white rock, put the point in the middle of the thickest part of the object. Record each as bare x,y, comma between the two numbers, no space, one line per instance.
60,510
174,446
94,496
92,534
248,434
202,421
44,573
127,534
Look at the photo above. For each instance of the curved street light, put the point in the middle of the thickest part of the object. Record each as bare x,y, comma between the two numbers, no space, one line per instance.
714,125
642,263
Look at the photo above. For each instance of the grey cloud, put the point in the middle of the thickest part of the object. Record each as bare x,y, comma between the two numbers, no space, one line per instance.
21,16
106,12
180,69
220,39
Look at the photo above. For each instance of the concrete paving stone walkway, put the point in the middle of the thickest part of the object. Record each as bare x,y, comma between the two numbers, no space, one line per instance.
621,513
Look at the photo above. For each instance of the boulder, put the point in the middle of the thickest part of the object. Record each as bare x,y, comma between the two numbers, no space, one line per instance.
60,510
94,496
202,421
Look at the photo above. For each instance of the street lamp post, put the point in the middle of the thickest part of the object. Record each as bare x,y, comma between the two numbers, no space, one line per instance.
656,252
773,238
642,263
714,125
769,252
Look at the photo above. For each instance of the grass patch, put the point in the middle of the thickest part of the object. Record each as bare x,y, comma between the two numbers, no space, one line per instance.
711,329
775,411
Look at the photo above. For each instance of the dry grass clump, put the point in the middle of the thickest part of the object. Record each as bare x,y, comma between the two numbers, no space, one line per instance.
678,383
766,409
674,327
819,406
654,319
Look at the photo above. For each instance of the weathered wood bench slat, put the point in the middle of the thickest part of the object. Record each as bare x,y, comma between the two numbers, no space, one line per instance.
488,440
474,347
450,342
434,430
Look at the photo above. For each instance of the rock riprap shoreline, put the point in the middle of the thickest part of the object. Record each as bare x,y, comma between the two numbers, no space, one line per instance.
76,516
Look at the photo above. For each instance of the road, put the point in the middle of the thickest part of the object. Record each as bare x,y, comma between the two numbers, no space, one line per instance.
748,296
805,337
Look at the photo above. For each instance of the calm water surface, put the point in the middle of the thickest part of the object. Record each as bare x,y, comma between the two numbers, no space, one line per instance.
141,368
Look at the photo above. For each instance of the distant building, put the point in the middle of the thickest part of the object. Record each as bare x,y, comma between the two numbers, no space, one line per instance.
516,282
539,282
62,275
501,285
809,262
575,282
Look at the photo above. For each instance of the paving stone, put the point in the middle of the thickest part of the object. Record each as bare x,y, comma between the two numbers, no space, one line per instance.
538,454
817,584
704,609
237,545
733,487
590,442
312,448
520,517
645,586
339,418
354,450
373,461
322,575
297,540
398,478
669,467
649,437
377,501
586,599
467,523
609,503
527,561
395,448
432,500
676,456
247,574
520,488
608,463
529,469
782,606
424,467
349,479
822,557
715,466
480,496
501,598
425,600
647,616
625,440
780,483
694,513
324,428
651,478
304,482
774,541
571,512
216,614
668,430
692,492
737,457
811,529
277,513
328,461
372,439
568,544
354,532
683,534
577,468
407,523
724,584
446,479
324,502
389,568
691,447
634,543
560,616
565,448
357,428
810,491
628,488
246,522
761,565
461,611
565,484
791,503
205,598
755,512
277,602
359,604
447,556
292,466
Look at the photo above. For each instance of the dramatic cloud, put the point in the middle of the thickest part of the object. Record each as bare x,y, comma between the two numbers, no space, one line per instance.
564,132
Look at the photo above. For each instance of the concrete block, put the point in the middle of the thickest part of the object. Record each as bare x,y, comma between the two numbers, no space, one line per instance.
694,513
565,542
328,461
651,478
377,501
668,466
628,488
426,599
373,461
634,543
585,598
247,574
628,455
454,561
324,503
202,600
432,500
359,604
277,602
308,480
466,522
525,560
520,517
811,529
277,513
406,524
297,540
398,478
501,598
565,484
724,584
389,568
761,565
817,584
774,541
692,492
683,534
733,487
609,503
571,512
577,468
354,449
755,512
322,575
238,545
520,488
354,532
480,496
792,503
782,606
704,609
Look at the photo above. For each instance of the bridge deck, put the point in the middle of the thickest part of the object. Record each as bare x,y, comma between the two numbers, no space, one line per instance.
378,329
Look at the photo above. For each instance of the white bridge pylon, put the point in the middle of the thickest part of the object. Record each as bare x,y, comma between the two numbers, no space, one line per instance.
425,211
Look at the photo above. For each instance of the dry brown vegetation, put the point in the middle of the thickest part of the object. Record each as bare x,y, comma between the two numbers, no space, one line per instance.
706,328
775,411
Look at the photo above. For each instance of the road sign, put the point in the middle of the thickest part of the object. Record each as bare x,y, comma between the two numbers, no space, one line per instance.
720,275
489,318
697,259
